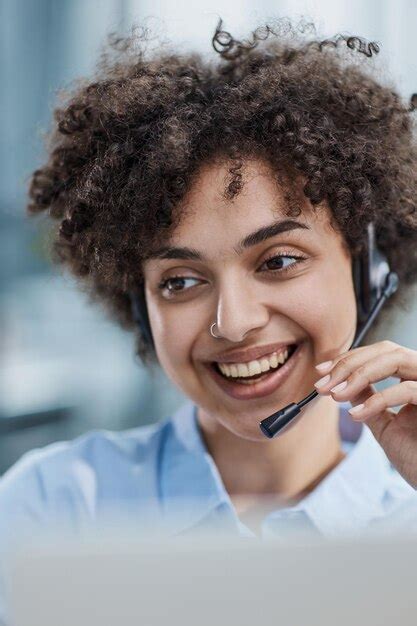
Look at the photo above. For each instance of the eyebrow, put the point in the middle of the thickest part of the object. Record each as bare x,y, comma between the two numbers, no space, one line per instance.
253,239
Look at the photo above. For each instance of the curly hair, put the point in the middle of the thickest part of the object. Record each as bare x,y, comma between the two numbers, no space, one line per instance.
127,143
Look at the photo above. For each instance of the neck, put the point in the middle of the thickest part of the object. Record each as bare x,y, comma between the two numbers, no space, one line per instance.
285,468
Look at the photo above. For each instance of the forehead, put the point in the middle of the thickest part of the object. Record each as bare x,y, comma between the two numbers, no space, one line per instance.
207,219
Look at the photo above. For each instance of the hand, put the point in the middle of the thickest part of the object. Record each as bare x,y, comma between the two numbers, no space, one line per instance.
351,375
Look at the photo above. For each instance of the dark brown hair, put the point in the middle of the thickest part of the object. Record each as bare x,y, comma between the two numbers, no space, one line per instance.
126,146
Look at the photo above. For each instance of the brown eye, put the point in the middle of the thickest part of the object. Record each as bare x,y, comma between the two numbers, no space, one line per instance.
176,283
282,262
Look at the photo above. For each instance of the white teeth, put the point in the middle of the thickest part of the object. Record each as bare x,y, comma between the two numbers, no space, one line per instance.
265,365
254,368
244,370
274,360
234,371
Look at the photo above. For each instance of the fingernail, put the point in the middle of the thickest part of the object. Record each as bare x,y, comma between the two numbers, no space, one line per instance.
339,387
322,367
322,381
356,409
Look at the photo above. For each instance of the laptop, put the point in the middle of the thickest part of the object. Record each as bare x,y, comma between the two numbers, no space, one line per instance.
211,580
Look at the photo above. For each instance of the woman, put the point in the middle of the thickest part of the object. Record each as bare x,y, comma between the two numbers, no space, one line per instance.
236,197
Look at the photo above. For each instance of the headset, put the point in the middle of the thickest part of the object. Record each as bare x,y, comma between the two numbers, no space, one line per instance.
374,283
370,271
140,313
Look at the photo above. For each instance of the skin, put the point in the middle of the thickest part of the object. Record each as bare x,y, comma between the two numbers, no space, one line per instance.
314,303
395,431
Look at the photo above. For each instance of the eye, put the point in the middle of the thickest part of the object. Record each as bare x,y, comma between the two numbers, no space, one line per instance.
277,264
176,284
281,263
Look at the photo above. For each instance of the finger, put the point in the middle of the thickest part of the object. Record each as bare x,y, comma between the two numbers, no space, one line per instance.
376,410
400,362
362,396
373,371
403,393
376,348
378,423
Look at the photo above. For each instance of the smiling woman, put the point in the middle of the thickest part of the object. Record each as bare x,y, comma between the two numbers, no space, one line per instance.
223,206
258,276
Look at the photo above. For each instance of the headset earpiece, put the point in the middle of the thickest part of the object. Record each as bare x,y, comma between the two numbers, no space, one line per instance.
140,312
370,271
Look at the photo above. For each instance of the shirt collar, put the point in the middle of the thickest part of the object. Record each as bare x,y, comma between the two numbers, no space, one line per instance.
352,494
191,486
190,483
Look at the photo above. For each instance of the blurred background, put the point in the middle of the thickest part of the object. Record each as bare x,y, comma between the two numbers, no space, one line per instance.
65,368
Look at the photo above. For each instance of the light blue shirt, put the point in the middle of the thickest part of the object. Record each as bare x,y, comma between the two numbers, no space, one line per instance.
162,478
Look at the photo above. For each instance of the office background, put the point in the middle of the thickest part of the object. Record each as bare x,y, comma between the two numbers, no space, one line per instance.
64,367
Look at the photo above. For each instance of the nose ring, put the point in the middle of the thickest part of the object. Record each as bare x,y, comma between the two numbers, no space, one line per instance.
212,333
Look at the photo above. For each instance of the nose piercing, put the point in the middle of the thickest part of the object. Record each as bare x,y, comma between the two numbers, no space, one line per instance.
212,333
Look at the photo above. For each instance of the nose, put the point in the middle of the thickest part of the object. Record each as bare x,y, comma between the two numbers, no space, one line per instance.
239,312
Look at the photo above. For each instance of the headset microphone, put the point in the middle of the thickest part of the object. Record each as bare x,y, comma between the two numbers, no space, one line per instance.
374,283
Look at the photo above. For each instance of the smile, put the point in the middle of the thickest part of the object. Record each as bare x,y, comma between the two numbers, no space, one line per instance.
253,370
256,378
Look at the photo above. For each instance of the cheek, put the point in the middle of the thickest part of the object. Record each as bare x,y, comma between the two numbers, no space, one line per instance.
174,332
332,326
325,308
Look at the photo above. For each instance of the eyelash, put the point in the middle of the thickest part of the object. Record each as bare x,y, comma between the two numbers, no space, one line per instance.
163,284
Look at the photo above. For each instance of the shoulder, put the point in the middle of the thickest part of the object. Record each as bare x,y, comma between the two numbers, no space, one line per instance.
378,498
398,506
395,509
74,479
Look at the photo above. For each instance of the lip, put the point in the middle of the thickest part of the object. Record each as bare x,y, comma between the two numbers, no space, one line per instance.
250,354
264,387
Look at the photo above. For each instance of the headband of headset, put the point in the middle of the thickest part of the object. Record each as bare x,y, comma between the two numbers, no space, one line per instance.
369,271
